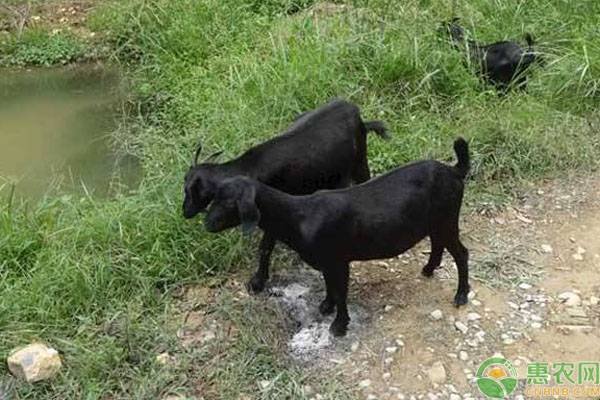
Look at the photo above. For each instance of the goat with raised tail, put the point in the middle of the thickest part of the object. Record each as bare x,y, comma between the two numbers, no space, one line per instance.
503,64
377,219
324,148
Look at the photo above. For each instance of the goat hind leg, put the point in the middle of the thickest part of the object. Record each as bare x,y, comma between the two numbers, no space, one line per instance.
435,257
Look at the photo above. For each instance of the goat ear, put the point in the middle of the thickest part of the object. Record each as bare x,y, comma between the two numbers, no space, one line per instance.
249,213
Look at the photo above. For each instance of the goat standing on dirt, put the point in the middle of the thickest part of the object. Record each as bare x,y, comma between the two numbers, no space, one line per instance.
501,63
323,149
377,219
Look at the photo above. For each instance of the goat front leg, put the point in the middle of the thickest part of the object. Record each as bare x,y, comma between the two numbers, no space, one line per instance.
257,282
336,279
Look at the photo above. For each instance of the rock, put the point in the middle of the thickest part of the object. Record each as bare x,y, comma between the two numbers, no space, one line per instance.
399,342
386,375
34,363
536,325
546,248
455,396
354,346
432,396
391,349
577,257
436,315
308,390
463,355
371,397
461,327
164,359
388,308
508,341
570,299
471,295
437,373
388,360
476,302
473,316
576,312
594,301
580,250
264,384
525,286
364,383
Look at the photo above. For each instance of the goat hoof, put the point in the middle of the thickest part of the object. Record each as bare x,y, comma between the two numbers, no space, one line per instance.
256,285
326,307
461,299
338,328
427,271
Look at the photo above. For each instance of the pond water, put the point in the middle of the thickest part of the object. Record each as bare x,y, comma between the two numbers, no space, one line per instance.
55,132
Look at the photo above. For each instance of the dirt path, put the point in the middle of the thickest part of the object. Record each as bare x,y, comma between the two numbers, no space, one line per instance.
535,277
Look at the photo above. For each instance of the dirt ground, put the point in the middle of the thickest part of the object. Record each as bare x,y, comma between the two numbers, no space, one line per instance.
535,277
57,15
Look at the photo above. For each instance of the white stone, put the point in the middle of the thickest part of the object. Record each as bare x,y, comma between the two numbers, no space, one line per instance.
570,299
463,355
386,375
476,302
594,300
455,396
461,327
388,308
391,349
354,346
164,359
546,248
473,316
436,315
437,373
34,363
364,383
399,342
525,286
264,384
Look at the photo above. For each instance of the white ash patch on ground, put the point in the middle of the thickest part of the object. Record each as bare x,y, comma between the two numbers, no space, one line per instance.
298,292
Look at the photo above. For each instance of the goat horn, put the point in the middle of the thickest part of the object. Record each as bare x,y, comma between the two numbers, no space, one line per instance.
213,155
198,150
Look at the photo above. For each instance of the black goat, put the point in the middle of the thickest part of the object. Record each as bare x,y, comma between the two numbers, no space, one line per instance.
377,219
501,63
324,148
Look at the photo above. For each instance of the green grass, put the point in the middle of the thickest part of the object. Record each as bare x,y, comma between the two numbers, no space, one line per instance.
232,74
37,47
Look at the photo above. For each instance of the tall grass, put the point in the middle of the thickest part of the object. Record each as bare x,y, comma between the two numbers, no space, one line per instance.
232,74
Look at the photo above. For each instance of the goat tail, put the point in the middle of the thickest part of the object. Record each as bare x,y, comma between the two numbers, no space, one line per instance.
378,127
461,148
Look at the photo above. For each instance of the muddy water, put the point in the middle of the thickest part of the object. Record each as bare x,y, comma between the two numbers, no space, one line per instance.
55,130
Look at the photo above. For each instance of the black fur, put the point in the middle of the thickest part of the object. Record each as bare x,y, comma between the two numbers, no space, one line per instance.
503,64
325,148
377,219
